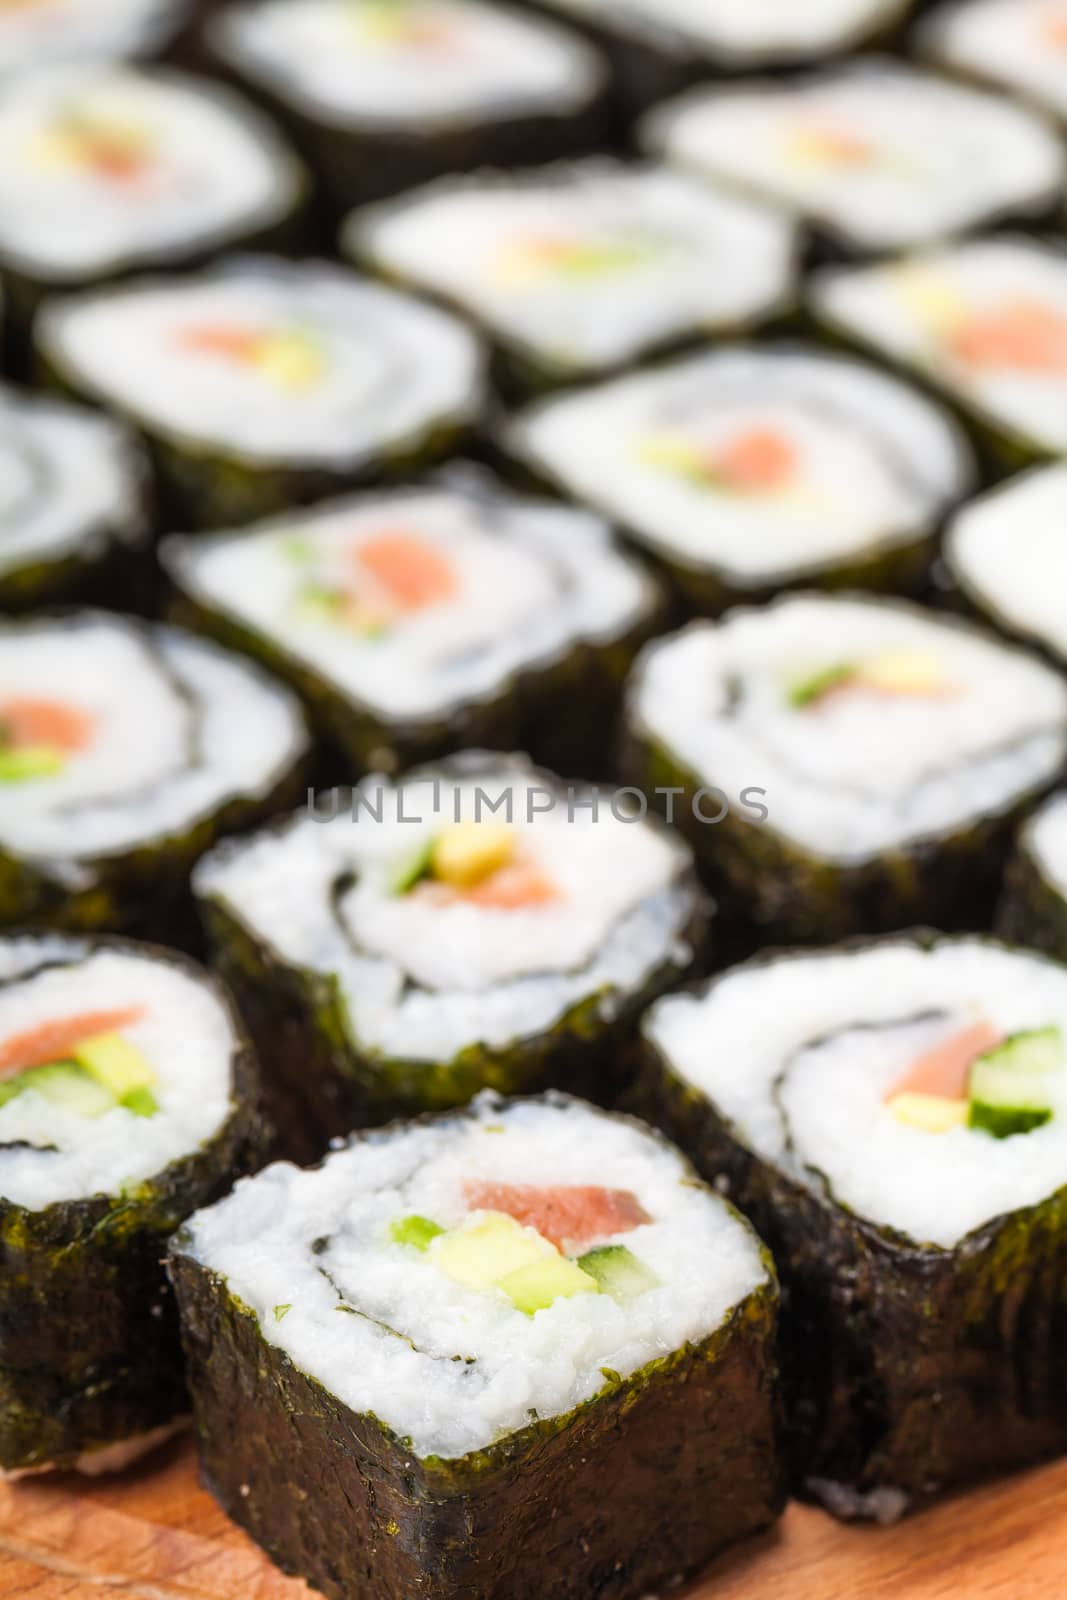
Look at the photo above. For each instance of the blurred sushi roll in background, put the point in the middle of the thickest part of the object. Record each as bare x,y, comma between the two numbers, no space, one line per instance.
1018,44
985,322
1005,554
481,924
893,1118
106,168
73,505
657,47
1033,907
577,269
267,382
421,620
875,155
554,1335
896,750
125,751
36,33
386,94
746,470
128,1098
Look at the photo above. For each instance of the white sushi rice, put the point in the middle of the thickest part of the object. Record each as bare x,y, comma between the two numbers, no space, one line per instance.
352,62
34,32
876,463
749,31
856,774
179,728
388,367
678,256
880,154
760,1044
532,580
68,481
49,1153
1021,44
1045,839
1007,550
449,1368
913,309
211,170
421,979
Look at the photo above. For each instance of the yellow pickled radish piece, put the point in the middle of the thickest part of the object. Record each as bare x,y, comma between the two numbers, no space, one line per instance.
933,1113
466,853
290,360
930,296
916,672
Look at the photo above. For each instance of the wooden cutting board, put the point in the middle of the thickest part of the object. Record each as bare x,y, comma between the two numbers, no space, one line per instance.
153,1534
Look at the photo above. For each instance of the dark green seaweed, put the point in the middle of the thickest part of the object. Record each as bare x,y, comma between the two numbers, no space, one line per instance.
1032,910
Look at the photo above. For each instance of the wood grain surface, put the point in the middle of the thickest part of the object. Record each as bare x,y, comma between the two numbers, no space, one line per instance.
153,1534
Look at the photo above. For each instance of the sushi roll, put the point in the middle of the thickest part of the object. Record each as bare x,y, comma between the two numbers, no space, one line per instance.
553,1372
577,269
876,155
36,33
125,750
659,46
267,382
105,168
128,1098
892,1116
985,322
73,516
1033,906
415,621
1018,44
480,924
743,471
386,94
846,764
1004,554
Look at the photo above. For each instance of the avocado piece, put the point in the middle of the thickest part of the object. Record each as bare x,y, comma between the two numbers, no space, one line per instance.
618,1272
1036,1050
64,1083
933,1113
808,690
415,866
487,1248
142,1102
466,853
1006,1100
33,761
418,1232
540,1284
115,1063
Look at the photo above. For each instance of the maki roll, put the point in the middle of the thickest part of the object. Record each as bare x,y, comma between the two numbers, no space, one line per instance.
892,1117
127,1099
659,46
387,94
1004,552
894,751
1033,907
553,1370
72,504
985,321
577,269
268,382
125,750
105,168
743,471
481,924
876,155
38,32
415,621
1019,44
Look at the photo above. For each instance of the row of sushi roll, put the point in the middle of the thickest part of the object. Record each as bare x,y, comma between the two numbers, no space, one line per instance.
504,510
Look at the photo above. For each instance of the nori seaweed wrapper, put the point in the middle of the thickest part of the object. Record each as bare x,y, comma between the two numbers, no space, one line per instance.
909,1369
89,1349
687,1447
322,1081
358,157
1033,907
